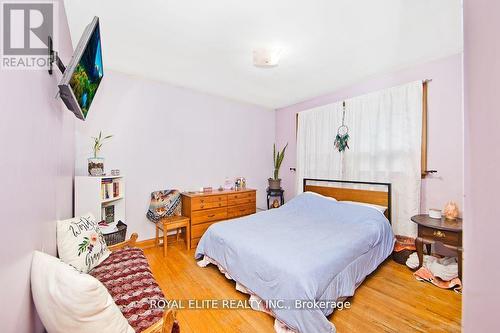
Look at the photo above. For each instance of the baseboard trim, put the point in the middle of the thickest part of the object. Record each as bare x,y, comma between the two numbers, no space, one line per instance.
149,243
146,243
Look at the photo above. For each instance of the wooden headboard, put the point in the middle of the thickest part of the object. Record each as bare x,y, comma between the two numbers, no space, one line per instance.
381,198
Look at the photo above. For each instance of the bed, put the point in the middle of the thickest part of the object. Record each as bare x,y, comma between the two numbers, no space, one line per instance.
309,250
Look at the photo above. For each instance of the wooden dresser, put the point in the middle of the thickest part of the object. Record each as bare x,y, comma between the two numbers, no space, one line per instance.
204,209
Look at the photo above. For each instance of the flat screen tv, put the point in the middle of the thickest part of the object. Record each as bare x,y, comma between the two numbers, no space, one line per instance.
84,73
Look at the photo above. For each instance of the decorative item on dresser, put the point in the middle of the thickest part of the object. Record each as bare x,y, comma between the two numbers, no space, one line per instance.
240,183
204,209
430,230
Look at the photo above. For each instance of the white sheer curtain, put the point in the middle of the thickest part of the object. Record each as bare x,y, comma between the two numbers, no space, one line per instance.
385,129
315,155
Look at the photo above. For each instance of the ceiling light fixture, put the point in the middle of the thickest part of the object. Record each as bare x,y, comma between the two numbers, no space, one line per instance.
266,57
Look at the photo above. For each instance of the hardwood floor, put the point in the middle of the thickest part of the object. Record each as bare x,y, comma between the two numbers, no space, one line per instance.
389,300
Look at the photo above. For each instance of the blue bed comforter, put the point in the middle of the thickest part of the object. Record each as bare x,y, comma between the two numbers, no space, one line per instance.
298,252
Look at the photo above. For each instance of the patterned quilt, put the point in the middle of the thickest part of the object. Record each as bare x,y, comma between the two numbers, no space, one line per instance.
128,278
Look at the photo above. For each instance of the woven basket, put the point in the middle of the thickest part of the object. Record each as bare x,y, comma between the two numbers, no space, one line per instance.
116,236
403,247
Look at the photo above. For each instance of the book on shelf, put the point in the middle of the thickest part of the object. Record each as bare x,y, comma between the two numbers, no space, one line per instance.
110,188
116,188
108,214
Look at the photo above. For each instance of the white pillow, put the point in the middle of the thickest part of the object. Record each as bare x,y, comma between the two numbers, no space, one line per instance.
69,301
381,209
80,242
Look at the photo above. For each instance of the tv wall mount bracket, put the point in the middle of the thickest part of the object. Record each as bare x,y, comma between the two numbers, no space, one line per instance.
54,57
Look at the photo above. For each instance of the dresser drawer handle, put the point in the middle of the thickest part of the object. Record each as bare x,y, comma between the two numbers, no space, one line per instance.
202,201
212,215
439,233
242,210
201,206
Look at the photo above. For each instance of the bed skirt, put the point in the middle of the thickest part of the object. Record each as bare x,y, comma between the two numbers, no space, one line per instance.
256,302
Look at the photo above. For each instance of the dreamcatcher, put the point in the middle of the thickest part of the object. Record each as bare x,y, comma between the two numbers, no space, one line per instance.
342,139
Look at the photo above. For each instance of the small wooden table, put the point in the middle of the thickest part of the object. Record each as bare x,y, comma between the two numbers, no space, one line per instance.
172,223
448,232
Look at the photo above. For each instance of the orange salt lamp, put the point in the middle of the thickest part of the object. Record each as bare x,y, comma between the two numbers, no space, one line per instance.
451,211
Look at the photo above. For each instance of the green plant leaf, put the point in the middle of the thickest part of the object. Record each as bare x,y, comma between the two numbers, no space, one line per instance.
281,156
278,159
98,142
283,151
274,154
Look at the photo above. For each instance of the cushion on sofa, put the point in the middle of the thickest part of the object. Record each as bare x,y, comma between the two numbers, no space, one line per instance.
128,278
69,301
80,242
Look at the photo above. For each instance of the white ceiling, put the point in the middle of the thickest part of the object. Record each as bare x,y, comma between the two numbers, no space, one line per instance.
326,44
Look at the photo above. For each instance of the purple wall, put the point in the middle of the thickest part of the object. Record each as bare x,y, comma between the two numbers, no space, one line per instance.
482,157
36,167
445,152
170,137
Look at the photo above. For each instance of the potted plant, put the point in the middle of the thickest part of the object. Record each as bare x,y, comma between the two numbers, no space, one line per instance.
96,163
275,182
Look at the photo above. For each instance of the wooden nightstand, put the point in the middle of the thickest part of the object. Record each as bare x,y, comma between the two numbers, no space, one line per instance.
430,230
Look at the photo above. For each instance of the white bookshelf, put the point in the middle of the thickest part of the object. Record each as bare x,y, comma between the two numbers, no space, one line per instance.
89,196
